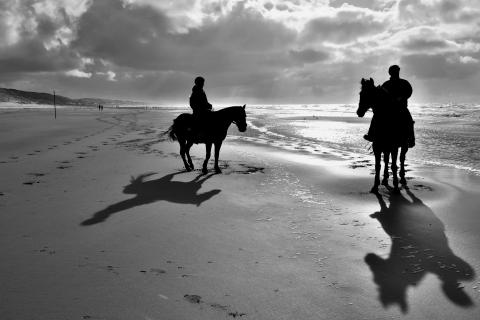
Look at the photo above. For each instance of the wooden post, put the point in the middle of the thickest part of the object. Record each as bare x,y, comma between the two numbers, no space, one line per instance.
54,104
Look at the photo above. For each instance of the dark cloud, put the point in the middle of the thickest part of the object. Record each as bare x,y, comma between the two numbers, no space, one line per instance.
437,11
309,55
38,49
370,4
424,44
448,67
281,7
346,26
269,6
30,55
139,37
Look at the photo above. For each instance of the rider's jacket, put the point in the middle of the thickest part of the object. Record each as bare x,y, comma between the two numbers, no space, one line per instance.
399,88
198,101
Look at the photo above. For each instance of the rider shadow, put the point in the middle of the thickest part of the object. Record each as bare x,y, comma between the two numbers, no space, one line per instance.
419,246
155,190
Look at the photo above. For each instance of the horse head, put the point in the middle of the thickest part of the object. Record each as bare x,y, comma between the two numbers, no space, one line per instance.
240,119
366,96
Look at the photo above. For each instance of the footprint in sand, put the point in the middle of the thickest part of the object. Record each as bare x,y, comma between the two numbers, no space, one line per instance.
81,155
64,164
37,174
30,183
46,250
193,298
196,299
34,181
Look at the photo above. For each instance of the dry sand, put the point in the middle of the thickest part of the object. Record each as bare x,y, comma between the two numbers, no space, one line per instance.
99,221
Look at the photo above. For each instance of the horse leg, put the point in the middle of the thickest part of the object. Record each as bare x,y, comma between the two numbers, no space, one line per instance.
218,145
394,170
208,149
187,151
386,159
403,153
182,143
378,166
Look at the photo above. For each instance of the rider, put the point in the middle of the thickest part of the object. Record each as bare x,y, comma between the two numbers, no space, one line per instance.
199,103
400,89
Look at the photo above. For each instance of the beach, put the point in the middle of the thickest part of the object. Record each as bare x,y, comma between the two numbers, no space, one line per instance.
99,220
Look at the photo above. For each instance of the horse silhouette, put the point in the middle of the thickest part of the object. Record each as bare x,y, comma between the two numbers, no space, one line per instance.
391,132
215,131
419,246
155,190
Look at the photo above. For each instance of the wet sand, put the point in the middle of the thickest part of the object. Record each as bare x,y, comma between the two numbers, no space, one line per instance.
99,221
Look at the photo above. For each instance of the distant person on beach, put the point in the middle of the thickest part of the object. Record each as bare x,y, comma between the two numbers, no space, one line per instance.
400,90
199,104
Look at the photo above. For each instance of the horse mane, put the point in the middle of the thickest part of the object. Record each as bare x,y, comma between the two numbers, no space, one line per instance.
229,108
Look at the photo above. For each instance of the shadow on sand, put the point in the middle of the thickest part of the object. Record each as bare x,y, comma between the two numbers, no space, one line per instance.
155,190
419,247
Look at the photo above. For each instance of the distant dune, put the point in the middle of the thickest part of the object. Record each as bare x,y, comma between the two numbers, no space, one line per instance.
29,97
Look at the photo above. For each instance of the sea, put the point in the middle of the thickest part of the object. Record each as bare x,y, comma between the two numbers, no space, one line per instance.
446,134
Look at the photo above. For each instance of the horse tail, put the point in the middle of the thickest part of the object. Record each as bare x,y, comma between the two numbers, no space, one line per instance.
171,132
178,126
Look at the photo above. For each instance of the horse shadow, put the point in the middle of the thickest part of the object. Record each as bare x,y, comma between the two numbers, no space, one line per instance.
155,190
419,246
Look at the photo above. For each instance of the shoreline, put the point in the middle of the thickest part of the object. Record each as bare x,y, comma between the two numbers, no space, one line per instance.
106,225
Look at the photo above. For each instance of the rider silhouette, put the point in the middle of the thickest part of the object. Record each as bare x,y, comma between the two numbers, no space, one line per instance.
199,104
400,89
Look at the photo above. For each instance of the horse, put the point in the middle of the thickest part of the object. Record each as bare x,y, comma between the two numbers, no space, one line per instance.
215,132
390,132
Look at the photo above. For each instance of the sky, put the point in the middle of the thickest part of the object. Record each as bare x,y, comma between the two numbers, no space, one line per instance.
249,51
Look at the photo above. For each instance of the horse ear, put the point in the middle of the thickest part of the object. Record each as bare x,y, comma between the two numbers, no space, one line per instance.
363,81
371,80
244,106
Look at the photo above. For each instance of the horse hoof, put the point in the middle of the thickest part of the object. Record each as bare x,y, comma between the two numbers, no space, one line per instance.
385,182
204,171
374,190
188,169
403,181
396,190
217,170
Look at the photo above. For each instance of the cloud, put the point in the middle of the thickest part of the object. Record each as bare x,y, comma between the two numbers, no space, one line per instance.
109,75
78,73
138,37
37,37
436,11
309,55
448,66
346,25
260,51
